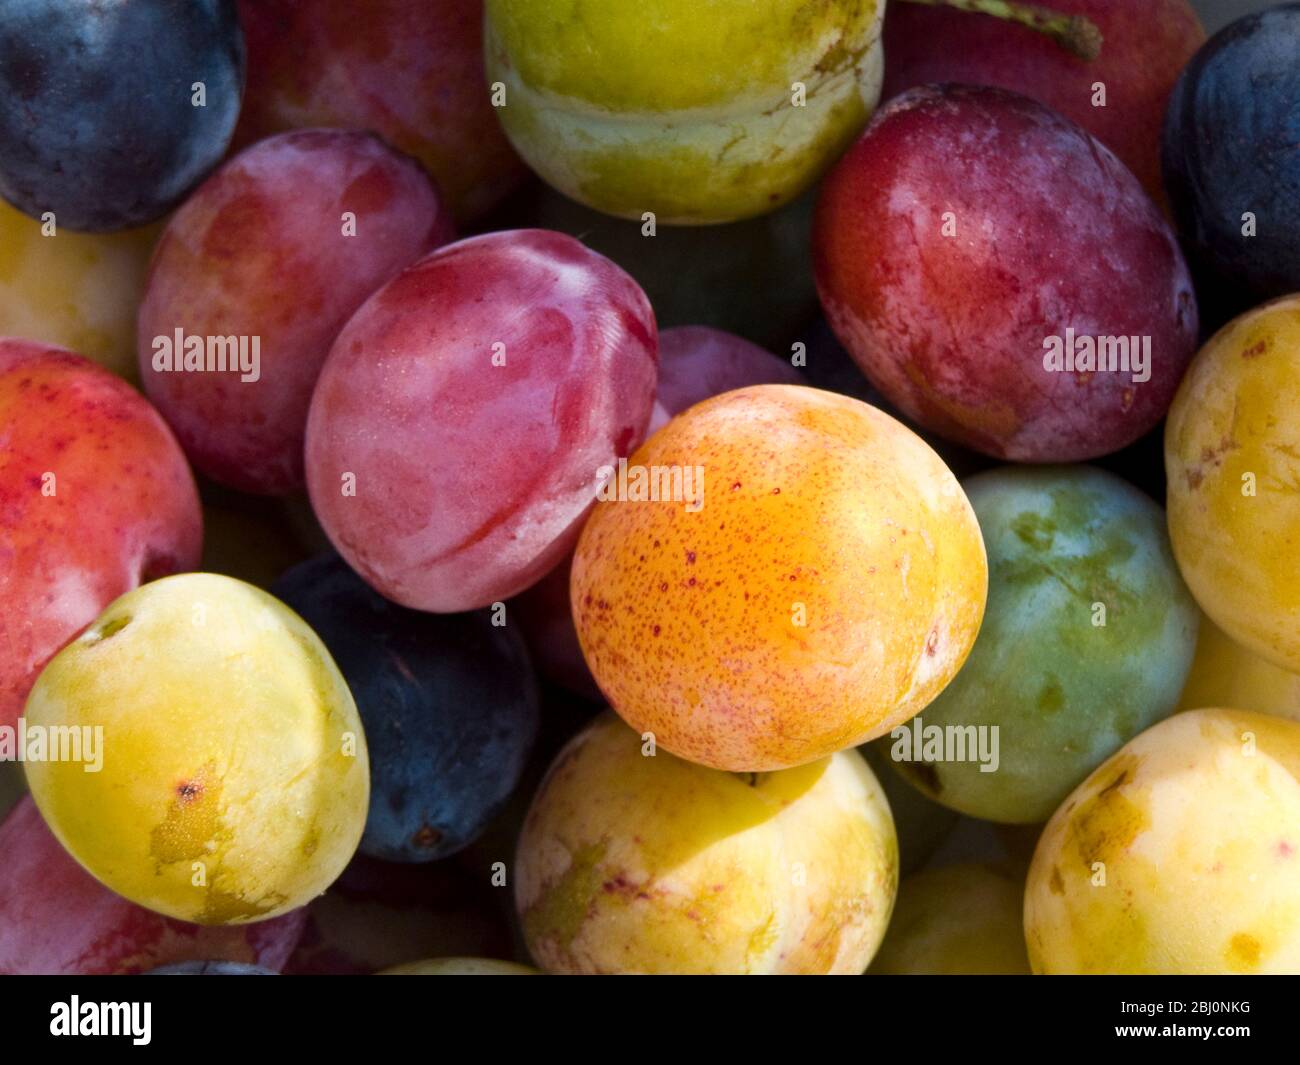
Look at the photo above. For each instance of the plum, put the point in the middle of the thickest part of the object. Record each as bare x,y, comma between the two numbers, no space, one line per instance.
1230,161
457,433
1002,278
235,784
79,291
821,582
1225,674
56,919
449,704
1087,639
1176,856
274,253
111,112
95,497
460,967
380,914
697,113
1231,446
960,920
695,362
409,70
1145,48
634,861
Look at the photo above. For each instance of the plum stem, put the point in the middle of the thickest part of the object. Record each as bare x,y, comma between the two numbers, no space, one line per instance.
1077,35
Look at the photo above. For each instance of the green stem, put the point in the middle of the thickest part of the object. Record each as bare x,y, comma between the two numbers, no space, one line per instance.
1077,35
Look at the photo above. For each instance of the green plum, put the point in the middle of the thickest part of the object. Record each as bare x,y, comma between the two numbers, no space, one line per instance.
697,112
1087,639
232,779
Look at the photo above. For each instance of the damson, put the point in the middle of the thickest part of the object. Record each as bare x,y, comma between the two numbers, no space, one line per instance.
971,244
458,430
629,863
1230,161
449,705
276,250
1177,855
236,782
111,112
1087,639
824,582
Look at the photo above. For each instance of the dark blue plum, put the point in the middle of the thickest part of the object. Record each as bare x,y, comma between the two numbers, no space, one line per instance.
1231,145
97,119
449,703
210,968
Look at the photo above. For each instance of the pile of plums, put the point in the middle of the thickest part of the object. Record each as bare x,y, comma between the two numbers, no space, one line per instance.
484,491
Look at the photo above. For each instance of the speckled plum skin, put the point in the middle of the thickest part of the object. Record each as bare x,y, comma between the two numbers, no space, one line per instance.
410,70
56,919
1051,233
1231,447
1195,826
1146,45
475,399
695,362
630,863
262,250
829,586
680,108
121,507
234,779
1064,691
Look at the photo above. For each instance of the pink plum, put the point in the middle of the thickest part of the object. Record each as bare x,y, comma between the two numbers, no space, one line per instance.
276,250
458,432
